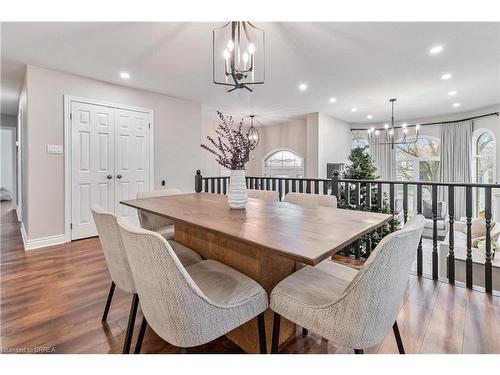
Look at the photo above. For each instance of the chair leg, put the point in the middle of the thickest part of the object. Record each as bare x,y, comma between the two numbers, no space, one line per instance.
359,351
140,338
108,302
276,333
131,323
305,332
262,333
398,338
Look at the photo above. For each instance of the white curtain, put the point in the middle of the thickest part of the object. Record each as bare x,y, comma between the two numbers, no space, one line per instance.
456,158
385,160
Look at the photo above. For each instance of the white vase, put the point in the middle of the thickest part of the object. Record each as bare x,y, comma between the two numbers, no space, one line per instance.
237,194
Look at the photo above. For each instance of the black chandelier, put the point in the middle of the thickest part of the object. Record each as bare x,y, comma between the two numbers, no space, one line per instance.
389,136
253,134
238,55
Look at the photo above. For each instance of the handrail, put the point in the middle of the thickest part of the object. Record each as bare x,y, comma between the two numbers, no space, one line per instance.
374,181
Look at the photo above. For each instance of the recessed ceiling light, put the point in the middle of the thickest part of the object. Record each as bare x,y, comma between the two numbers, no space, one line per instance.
456,105
369,117
452,93
333,100
302,87
354,109
435,50
124,75
446,76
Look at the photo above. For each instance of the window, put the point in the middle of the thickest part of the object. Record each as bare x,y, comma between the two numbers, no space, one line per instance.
484,163
283,163
418,161
359,143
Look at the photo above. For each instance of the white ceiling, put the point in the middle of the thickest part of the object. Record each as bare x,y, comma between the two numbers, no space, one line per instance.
361,64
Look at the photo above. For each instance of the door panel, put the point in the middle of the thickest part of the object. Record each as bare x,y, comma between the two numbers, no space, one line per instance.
131,158
110,152
92,129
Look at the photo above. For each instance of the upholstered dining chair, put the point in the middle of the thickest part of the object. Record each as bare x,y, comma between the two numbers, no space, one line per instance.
311,200
118,266
351,308
266,195
189,306
156,223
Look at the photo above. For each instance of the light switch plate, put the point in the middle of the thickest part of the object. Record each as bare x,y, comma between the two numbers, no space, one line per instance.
54,149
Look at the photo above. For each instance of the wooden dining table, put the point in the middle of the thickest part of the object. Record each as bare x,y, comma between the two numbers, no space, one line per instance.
267,241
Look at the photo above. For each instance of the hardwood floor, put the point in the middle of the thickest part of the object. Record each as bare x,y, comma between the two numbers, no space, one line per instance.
52,300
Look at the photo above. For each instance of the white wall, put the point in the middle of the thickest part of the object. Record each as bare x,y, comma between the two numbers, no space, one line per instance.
318,138
334,142
312,145
290,135
24,153
177,137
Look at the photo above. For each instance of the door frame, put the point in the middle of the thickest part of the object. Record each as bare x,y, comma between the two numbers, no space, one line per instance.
68,100
19,151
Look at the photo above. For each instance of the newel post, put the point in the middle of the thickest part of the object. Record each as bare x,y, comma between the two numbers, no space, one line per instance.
198,182
335,183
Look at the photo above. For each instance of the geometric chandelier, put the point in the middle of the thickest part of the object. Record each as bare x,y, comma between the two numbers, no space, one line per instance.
238,55
375,137
253,134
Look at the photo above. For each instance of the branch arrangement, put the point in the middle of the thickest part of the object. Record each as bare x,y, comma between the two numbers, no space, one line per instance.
231,148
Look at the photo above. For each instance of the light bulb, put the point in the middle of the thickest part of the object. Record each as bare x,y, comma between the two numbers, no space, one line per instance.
245,57
251,49
372,128
230,45
405,130
226,53
377,132
386,126
404,125
417,127
391,132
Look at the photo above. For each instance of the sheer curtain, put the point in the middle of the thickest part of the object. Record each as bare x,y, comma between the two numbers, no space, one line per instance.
456,158
385,160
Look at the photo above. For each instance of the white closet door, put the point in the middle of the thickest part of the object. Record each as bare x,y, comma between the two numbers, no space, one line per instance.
131,158
92,165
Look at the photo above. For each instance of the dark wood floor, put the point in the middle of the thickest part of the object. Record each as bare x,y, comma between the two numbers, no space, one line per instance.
55,297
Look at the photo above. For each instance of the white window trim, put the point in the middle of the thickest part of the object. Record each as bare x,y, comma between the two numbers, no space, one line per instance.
475,137
270,153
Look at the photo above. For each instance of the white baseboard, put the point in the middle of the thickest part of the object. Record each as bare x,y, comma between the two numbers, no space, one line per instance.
18,213
24,235
38,243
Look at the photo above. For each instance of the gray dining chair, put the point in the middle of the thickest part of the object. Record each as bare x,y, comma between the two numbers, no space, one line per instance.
189,306
311,200
266,195
156,223
351,308
118,266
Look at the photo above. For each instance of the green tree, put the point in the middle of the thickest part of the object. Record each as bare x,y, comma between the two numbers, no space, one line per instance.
361,166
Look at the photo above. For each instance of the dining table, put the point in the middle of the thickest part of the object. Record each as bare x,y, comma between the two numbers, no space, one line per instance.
267,241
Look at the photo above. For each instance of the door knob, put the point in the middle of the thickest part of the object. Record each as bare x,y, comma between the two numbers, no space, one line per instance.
109,177
118,176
